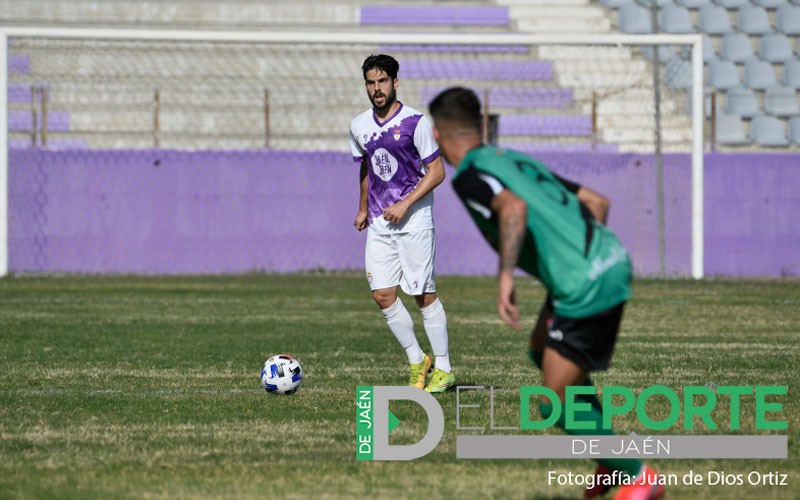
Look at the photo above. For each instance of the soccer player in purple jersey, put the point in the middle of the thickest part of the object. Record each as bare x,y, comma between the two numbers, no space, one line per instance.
400,167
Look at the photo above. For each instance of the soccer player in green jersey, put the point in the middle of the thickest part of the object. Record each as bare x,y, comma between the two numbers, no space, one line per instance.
536,220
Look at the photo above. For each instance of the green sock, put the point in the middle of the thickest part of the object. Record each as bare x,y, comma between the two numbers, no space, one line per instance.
631,466
536,357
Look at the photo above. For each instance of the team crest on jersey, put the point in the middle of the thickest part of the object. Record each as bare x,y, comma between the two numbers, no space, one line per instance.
397,133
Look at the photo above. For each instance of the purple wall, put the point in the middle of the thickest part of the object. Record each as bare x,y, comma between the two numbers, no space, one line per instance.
218,212
752,214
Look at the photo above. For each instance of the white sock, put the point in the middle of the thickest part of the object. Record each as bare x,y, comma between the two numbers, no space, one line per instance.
402,326
435,321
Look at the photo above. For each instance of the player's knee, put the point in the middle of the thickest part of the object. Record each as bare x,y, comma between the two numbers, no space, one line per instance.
384,298
425,299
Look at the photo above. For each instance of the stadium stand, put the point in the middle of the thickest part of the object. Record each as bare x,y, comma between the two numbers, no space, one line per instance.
744,59
434,15
751,63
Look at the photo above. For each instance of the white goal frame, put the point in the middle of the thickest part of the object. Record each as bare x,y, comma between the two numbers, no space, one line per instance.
362,37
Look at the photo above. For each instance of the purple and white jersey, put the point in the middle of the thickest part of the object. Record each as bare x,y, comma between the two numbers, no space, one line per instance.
396,152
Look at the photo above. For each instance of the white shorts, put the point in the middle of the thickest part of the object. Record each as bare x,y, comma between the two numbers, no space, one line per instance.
404,259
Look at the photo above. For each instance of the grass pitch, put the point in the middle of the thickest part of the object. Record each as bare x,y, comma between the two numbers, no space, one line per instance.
147,387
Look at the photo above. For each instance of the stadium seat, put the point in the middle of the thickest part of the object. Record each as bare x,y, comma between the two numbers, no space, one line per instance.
769,4
741,101
659,3
758,74
434,15
775,47
19,64
709,53
476,69
791,73
675,19
22,121
768,131
545,125
731,4
794,130
615,4
723,75
517,98
19,92
736,47
693,4
788,19
634,19
730,130
780,100
714,20
678,74
665,53
753,20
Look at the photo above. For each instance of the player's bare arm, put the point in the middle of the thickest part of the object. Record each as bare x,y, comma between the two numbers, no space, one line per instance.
597,204
512,212
433,177
362,219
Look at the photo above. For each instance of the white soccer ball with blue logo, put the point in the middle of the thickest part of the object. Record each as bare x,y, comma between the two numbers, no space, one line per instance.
282,374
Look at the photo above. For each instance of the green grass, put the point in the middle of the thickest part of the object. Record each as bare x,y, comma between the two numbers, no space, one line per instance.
147,387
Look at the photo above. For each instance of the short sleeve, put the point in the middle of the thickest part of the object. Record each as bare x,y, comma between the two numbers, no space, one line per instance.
355,148
477,189
423,140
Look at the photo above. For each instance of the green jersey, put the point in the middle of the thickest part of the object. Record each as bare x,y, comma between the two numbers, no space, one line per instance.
579,260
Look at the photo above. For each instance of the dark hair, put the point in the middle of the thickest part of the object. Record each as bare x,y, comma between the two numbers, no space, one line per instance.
457,104
387,64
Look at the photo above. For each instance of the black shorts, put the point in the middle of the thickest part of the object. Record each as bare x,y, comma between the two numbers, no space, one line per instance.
588,342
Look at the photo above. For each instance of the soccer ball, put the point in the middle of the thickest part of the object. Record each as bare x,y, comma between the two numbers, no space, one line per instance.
281,374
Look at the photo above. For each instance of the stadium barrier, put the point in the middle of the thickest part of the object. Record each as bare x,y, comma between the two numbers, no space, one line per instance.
160,211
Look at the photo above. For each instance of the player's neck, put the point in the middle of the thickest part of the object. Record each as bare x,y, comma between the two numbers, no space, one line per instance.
457,149
384,114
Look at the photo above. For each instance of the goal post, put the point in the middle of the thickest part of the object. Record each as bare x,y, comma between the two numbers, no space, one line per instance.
497,92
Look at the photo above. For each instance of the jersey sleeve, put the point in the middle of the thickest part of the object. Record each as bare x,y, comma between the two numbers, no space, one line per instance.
423,140
477,189
572,187
358,153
